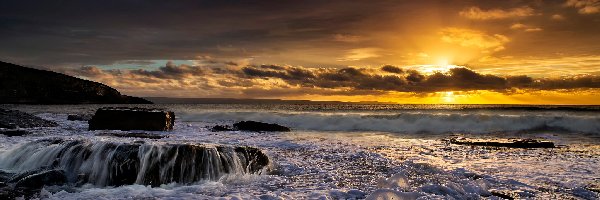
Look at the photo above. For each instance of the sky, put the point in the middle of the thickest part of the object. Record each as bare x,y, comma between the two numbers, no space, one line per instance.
430,51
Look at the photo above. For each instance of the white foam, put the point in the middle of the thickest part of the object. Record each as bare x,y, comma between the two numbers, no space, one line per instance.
410,122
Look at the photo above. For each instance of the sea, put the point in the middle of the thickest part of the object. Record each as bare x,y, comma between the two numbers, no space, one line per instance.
350,151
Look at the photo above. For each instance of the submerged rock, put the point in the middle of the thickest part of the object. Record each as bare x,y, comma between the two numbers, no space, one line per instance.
219,128
135,135
113,164
14,132
12,119
115,118
79,117
511,143
259,126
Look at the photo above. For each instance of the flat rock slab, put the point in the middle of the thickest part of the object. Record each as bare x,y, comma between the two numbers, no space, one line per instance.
510,143
120,118
135,135
12,119
259,126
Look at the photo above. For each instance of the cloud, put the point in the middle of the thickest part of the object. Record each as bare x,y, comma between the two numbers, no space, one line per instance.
474,38
253,81
557,17
392,69
347,38
477,13
360,54
585,6
526,28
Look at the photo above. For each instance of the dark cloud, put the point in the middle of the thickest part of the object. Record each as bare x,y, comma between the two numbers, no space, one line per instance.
392,69
256,81
171,71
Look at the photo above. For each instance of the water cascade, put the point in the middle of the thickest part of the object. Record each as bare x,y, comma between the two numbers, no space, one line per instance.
112,164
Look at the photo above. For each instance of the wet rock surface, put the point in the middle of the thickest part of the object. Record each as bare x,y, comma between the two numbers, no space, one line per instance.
259,126
29,183
122,118
12,119
510,143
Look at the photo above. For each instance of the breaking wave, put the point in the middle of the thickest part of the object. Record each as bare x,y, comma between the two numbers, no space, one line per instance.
416,122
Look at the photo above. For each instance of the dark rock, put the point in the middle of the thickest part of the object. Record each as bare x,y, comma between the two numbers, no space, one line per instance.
41,178
259,126
219,128
511,143
132,119
11,133
135,135
20,84
12,119
503,194
79,117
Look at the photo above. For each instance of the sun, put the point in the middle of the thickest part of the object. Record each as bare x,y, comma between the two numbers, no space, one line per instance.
448,97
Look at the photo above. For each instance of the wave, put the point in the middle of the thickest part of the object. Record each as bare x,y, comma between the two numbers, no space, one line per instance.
455,122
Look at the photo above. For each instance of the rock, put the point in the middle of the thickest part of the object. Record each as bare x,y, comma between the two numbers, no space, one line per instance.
511,143
135,135
14,132
259,126
13,119
120,118
504,194
41,178
219,128
23,85
79,117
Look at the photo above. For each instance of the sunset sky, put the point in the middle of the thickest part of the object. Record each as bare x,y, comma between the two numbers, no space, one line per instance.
513,51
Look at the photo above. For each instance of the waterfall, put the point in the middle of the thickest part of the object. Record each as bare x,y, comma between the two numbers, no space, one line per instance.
113,164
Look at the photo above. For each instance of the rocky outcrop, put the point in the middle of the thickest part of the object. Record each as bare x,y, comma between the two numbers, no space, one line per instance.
259,126
78,162
12,119
510,143
120,118
23,85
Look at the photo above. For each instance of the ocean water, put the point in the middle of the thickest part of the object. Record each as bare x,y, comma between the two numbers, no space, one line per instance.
350,151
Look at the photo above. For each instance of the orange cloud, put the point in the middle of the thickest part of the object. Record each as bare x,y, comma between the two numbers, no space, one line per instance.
585,6
360,54
474,39
526,28
477,13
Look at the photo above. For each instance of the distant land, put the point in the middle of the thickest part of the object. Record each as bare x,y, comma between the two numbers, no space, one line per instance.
169,100
23,85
